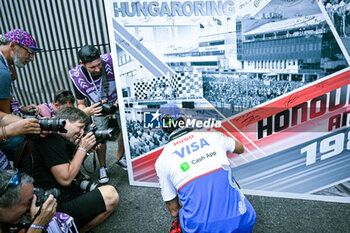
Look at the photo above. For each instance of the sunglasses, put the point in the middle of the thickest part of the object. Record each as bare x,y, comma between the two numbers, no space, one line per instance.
13,183
32,54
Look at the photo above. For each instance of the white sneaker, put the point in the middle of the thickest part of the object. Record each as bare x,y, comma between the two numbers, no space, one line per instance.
103,176
122,163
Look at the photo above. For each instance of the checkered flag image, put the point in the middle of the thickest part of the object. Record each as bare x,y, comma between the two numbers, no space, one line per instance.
187,84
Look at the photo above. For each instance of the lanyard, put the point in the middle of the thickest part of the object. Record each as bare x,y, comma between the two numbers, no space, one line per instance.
98,92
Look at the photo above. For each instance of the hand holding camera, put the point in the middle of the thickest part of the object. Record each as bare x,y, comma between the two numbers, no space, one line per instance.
88,141
47,124
23,126
31,107
48,205
94,110
101,135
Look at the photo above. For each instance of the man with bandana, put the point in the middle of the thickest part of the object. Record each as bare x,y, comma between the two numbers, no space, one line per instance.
17,49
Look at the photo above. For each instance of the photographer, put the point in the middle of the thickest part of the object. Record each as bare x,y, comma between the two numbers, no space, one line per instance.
62,98
94,80
17,48
194,168
57,160
16,197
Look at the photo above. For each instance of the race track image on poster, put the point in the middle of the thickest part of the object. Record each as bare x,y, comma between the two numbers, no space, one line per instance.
271,73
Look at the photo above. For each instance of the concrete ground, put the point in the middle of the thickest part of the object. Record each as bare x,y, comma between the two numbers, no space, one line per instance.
141,209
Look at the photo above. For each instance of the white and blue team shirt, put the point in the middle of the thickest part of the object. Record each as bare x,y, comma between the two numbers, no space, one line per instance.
195,168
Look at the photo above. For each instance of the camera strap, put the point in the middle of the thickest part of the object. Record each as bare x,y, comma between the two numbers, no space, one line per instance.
25,150
104,81
94,163
83,164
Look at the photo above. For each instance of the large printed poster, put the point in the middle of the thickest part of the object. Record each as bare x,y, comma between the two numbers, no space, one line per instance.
270,73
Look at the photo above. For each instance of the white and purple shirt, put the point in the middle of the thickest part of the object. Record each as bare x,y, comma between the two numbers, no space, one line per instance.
93,90
195,168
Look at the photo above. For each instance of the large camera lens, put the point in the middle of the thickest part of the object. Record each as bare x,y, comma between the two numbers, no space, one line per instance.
104,134
55,192
55,124
90,128
43,195
109,108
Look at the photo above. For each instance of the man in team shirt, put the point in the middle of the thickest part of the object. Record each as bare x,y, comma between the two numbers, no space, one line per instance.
193,170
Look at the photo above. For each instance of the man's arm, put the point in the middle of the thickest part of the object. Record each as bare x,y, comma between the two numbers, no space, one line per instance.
230,144
66,172
14,125
47,212
5,106
6,118
93,110
81,104
239,148
174,206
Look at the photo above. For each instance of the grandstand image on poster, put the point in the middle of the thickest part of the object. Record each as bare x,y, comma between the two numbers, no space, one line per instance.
235,62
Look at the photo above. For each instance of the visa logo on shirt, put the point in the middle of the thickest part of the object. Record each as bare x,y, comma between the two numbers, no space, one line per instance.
193,147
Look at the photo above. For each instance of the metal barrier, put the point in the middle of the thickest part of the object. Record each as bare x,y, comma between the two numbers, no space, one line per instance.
60,27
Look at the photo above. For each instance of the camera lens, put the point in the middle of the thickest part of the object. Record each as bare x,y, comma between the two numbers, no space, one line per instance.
55,124
106,134
55,192
108,108
112,109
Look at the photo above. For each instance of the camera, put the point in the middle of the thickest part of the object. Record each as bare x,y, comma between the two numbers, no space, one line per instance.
107,108
84,184
53,124
43,195
101,135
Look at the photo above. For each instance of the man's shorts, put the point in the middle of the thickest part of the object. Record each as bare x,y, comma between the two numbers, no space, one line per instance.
101,122
80,210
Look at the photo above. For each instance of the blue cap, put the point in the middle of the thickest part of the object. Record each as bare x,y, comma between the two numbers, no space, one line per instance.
170,109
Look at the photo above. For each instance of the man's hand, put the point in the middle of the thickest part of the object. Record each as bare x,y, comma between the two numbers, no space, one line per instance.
94,110
88,141
26,109
23,126
48,210
174,206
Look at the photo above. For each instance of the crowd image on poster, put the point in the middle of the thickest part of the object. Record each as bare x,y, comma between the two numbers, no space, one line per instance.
241,66
339,14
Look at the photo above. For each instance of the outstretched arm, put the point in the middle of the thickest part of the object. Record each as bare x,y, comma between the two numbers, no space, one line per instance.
14,125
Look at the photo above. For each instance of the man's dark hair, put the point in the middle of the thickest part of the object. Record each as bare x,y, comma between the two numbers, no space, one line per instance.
64,97
171,124
88,53
73,115
12,196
